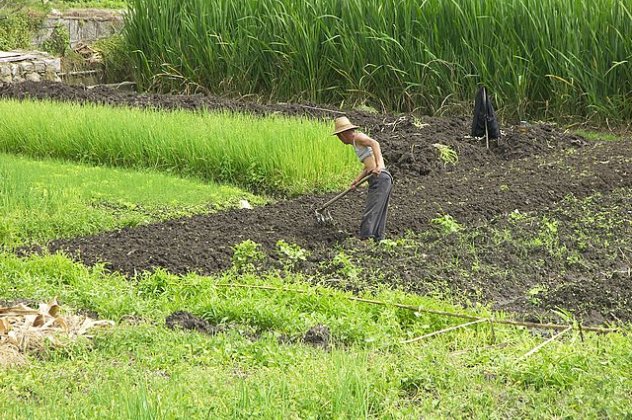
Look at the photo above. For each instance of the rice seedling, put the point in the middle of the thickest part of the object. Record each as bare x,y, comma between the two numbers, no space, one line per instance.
273,154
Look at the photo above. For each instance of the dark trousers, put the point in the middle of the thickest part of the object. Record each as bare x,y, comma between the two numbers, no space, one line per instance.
376,208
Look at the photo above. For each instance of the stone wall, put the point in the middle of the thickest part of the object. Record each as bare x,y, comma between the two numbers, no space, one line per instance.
84,25
18,66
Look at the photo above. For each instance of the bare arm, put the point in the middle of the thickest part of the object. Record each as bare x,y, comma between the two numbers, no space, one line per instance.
362,174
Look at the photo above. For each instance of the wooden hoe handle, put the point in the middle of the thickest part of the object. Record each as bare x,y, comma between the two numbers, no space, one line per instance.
342,194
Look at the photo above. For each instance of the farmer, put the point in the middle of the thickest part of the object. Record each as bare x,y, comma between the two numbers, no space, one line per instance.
380,183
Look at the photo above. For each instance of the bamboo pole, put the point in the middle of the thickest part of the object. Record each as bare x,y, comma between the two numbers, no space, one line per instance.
550,340
526,324
443,331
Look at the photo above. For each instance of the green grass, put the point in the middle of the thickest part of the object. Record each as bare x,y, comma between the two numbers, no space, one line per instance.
393,54
42,200
273,154
143,370
258,365
598,136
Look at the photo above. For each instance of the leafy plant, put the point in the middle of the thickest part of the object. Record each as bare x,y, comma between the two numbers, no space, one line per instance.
447,224
392,245
292,253
16,27
418,123
59,41
246,254
345,266
534,293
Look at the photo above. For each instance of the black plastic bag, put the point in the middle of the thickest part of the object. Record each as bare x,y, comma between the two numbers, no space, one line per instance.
485,123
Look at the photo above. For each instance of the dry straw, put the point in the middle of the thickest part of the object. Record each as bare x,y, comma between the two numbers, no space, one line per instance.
24,329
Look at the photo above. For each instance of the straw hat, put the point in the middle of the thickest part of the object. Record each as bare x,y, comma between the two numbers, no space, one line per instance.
342,124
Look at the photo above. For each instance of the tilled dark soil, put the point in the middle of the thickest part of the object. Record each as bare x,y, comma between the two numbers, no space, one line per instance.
530,169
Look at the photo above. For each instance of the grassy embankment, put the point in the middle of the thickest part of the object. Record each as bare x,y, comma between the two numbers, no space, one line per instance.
276,154
257,364
400,55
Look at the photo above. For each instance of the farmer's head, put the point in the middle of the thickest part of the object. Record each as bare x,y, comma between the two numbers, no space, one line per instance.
344,129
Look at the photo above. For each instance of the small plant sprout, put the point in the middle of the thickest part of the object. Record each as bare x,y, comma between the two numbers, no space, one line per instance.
346,268
417,122
446,154
516,216
533,294
391,245
292,253
246,254
447,224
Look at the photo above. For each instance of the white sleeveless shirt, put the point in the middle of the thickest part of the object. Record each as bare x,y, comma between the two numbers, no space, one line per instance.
362,152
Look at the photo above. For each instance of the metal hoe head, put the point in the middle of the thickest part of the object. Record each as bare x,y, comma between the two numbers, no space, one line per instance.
323,217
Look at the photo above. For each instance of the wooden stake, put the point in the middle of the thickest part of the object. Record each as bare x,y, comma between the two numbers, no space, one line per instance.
490,347
491,326
486,117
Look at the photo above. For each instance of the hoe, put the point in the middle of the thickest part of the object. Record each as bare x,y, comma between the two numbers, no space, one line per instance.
325,217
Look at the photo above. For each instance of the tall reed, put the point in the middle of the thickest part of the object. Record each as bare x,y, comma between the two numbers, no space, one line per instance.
540,57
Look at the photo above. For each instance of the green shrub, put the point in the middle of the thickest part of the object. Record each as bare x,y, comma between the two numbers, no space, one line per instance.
58,42
15,30
246,254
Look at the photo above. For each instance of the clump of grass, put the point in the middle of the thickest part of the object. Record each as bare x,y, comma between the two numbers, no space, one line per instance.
272,154
446,154
598,136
